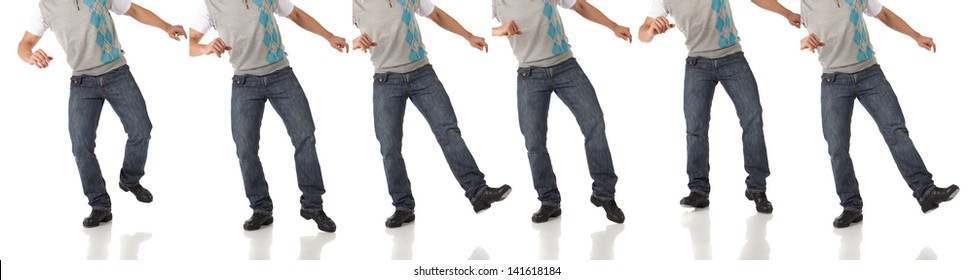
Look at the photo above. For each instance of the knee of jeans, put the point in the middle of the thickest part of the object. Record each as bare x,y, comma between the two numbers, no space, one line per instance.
142,134
390,150
246,151
303,139
839,148
83,149
447,135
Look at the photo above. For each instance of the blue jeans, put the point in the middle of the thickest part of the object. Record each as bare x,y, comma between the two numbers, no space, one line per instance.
870,87
389,94
734,73
285,94
571,85
88,95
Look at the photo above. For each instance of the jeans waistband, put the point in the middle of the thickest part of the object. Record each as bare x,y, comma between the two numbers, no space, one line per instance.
264,79
406,77
694,60
550,71
857,76
101,79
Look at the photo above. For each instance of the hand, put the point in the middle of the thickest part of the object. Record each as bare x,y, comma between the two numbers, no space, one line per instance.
478,43
812,43
508,29
217,47
338,43
174,31
40,59
622,32
660,26
795,20
363,42
926,43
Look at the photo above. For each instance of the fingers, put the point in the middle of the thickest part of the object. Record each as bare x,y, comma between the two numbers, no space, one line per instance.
175,31
363,42
625,34
40,59
514,29
933,46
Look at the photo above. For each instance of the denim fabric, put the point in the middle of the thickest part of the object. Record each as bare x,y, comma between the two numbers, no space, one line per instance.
571,85
285,94
870,87
734,73
423,88
88,95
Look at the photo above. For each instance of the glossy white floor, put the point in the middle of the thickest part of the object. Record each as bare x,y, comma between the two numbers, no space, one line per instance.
200,205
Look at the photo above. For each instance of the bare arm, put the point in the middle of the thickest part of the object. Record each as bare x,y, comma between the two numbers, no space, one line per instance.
896,23
25,50
217,47
652,27
151,19
447,22
589,12
773,6
306,22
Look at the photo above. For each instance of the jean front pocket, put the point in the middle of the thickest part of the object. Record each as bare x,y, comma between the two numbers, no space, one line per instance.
828,78
381,78
77,81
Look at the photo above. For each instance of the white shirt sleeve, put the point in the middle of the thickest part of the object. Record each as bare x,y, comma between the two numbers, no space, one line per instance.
657,9
37,25
202,22
874,8
284,8
120,7
566,4
425,8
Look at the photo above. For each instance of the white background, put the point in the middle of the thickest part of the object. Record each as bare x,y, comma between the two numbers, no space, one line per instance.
195,220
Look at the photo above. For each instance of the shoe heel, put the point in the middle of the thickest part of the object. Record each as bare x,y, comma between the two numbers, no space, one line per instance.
123,188
556,214
595,201
107,218
747,194
268,222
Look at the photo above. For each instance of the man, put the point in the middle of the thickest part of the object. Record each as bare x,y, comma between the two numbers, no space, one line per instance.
86,32
403,72
250,33
838,31
546,64
715,57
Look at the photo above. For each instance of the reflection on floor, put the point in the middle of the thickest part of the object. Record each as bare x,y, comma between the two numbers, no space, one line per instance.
697,222
756,247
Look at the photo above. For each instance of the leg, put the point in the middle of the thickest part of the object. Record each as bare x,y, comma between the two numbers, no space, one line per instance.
126,99
288,99
838,100
574,89
533,99
880,101
738,81
389,108
84,111
429,96
698,96
247,111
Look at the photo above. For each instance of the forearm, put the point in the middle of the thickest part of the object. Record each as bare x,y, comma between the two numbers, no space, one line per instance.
646,33
306,22
447,22
195,48
147,17
593,14
896,23
25,50
773,6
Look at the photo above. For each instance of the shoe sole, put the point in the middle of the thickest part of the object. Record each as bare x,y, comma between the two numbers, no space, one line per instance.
698,206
